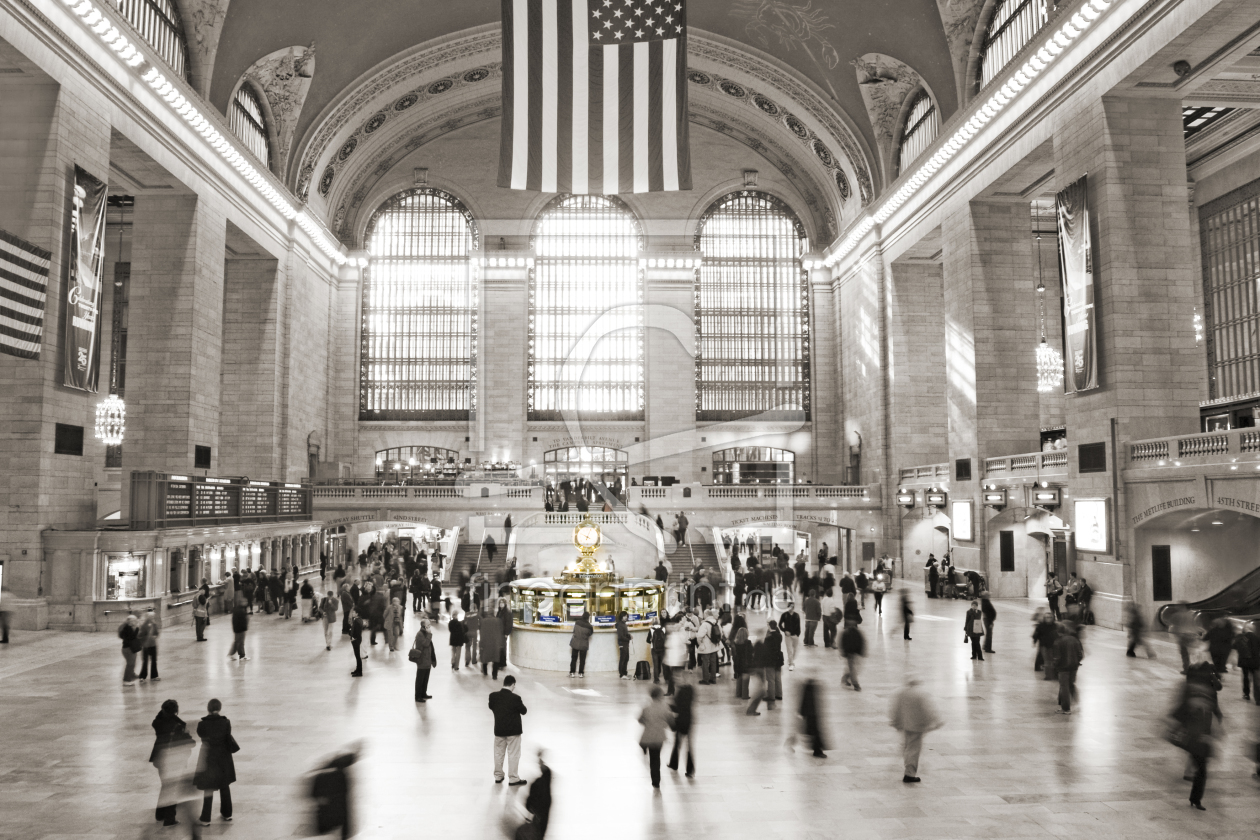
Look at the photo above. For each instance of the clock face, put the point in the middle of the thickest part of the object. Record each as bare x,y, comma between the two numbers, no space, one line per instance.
588,537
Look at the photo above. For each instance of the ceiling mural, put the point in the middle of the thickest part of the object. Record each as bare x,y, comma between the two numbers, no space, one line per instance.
794,27
886,83
961,19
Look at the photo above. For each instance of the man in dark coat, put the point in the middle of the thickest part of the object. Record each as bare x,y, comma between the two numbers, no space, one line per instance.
990,616
1247,643
684,702
1067,658
240,624
331,792
811,701
538,802
662,573
813,615
215,768
508,708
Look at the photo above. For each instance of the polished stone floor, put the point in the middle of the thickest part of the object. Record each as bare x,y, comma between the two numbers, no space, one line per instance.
74,744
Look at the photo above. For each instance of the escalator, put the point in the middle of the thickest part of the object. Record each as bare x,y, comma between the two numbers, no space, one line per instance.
1240,598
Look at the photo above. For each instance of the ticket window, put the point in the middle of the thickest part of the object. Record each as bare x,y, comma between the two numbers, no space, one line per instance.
635,604
574,608
125,576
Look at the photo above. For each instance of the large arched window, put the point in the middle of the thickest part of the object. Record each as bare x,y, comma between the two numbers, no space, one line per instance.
923,121
585,311
417,464
249,124
752,311
754,465
158,22
418,348
1013,24
594,463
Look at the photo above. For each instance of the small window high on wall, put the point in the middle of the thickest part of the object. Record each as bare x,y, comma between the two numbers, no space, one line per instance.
923,122
754,465
1229,231
1012,26
417,465
249,124
158,22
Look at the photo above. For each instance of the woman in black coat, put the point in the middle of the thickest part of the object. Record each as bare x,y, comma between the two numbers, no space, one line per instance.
505,623
973,627
682,705
215,768
171,749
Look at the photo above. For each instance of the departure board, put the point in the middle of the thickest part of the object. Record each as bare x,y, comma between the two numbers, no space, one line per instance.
290,502
162,500
178,501
254,501
213,501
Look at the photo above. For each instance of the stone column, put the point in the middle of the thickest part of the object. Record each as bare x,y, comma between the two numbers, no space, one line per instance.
252,377
918,426
1150,371
827,397
670,439
502,365
175,333
989,282
264,555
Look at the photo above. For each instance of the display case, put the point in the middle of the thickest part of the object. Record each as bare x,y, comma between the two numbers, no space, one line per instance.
546,601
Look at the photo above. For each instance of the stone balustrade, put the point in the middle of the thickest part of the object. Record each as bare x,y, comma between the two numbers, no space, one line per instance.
1206,447
1031,464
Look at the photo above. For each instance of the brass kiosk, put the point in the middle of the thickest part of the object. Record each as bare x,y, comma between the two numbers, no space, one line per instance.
544,609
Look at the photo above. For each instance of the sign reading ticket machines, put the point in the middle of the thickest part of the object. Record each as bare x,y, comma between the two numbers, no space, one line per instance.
83,282
1076,267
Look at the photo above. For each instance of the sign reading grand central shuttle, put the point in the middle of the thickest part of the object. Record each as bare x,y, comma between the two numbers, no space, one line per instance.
83,282
1076,267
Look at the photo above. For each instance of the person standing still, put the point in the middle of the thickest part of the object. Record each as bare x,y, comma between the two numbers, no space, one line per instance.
1053,590
129,633
356,640
425,656
458,638
973,630
623,646
149,631
912,715
507,707
472,631
240,625
328,615
990,615
215,768
656,643
790,626
708,641
656,719
201,613
579,645
813,615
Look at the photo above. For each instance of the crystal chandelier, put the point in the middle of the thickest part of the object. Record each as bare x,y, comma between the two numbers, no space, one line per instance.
1049,362
111,416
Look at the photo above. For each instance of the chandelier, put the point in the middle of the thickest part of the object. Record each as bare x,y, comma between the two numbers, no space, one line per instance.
111,416
1049,362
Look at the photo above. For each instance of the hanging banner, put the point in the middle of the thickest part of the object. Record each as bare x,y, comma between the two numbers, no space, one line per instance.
83,283
1076,270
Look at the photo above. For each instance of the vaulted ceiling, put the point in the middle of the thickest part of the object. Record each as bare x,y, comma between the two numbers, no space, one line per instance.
817,38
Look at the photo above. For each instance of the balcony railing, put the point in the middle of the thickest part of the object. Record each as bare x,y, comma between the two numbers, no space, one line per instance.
1034,463
1198,448
677,494
926,472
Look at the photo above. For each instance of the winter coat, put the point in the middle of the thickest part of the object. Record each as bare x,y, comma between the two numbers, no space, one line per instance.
774,649
742,655
149,632
456,629
852,643
171,733
974,620
623,634
240,619
704,637
215,768
505,621
790,623
913,711
682,704
656,718
813,609
130,637
851,611
1068,652
1247,644
582,632
491,640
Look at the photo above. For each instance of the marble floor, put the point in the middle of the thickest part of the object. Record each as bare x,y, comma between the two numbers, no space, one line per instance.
74,744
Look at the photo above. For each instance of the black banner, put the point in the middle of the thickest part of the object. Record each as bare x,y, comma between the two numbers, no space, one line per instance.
1076,268
83,283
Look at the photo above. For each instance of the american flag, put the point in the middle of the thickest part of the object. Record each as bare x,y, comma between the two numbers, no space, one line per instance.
595,96
23,295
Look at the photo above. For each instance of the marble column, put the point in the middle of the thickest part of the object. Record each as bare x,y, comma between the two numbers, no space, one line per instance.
670,439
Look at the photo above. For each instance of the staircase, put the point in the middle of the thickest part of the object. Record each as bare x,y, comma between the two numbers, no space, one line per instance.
466,561
682,564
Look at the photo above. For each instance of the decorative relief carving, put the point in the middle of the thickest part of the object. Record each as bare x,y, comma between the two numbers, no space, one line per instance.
203,24
885,83
960,19
285,78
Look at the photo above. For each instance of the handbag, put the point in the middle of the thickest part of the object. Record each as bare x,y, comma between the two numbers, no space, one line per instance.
414,655
232,746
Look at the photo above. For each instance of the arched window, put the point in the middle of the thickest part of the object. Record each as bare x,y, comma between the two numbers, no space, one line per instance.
754,465
594,463
585,312
418,348
922,123
404,464
248,123
1013,24
158,22
752,311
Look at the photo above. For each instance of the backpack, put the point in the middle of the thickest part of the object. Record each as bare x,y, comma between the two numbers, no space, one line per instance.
642,670
715,635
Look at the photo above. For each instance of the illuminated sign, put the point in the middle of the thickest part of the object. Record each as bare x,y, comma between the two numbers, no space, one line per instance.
960,516
605,619
549,619
905,499
994,498
1091,525
935,499
1047,496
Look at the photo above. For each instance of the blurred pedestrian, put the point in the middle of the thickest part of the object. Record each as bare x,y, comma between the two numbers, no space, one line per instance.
457,640
148,633
813,615
683,708
907,615
129,633
973,630
708,642
424,655
913,714
491,644
328,615
172,746
1193,732
331,789
760,687
538,804
1220,641
472,635
774,661
1186,631
1136,625
675,653
1045,632
989,613
1068,654
852,648
240,625
741,662
1247,643
307,593
215,768
656,719
508,707
811,716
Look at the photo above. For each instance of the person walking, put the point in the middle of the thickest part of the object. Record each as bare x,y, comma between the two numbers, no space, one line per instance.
538,801
774,661
424,655
201,613
1135,624
1247,643
391,623
1193,718
356,640
1068,654
307,593
458,638
973,630
852,648
675,653
682,707
708,642
328,615
579,645
813,615
623,646
215,768
171,747
1045,631
656,719
759,686
508,708
656,643
741,662
790,626
148,633
472,632
913,714
1053,590
1219,638
129,633
989,613
240,625
811,716
491,647
1186,631
331,791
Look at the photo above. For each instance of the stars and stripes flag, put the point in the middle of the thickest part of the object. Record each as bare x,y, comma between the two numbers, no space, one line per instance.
595,96
23,295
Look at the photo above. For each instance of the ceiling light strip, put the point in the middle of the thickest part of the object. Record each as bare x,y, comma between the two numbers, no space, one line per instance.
127,52
1050,51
